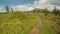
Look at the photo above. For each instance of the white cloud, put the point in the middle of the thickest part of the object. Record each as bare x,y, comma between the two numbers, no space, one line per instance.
2,9
36,4
42,1
26,7
46,4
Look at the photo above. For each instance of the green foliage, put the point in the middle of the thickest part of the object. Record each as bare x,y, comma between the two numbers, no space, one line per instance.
7,8
17,23
46,29
11,10
46,11
56,11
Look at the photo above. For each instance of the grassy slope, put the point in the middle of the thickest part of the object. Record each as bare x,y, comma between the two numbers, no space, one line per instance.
21,23
47,23
17,23
46,29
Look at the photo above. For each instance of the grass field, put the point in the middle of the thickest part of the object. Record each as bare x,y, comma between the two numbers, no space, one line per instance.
48,23
23,22
17,23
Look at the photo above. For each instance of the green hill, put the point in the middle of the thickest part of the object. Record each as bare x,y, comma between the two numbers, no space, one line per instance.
22,22
17,23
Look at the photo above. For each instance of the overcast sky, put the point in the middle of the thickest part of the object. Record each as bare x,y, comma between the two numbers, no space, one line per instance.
27,5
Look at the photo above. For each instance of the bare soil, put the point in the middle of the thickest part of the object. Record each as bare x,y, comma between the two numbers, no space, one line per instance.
36,29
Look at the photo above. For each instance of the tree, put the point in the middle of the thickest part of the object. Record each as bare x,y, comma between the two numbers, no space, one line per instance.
7,8
46,11
11,9
56,11
59,12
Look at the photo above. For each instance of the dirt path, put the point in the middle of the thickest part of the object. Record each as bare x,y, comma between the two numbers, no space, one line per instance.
36,29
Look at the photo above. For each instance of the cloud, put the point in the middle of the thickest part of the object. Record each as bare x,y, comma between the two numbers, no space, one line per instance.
55,2
25,7
46,4
2,9
41,4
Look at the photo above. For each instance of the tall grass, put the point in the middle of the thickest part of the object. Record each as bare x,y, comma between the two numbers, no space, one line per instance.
17,23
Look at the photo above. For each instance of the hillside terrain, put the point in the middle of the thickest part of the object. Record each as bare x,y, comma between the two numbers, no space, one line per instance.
23,23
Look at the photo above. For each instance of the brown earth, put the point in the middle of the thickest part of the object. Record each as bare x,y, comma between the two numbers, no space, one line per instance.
36,29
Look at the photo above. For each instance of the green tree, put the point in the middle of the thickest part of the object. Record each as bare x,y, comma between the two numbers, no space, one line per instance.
7,8
46,11
11,9
56,11
59,13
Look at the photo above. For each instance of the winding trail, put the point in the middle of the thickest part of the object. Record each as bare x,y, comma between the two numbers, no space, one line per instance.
36,29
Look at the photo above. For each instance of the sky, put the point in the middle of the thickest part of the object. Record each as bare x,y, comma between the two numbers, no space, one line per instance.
27,5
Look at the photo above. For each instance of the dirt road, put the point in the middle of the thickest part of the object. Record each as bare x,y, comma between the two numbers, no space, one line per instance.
36,29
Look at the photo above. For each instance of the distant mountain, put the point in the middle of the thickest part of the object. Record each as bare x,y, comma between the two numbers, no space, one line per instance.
36,9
